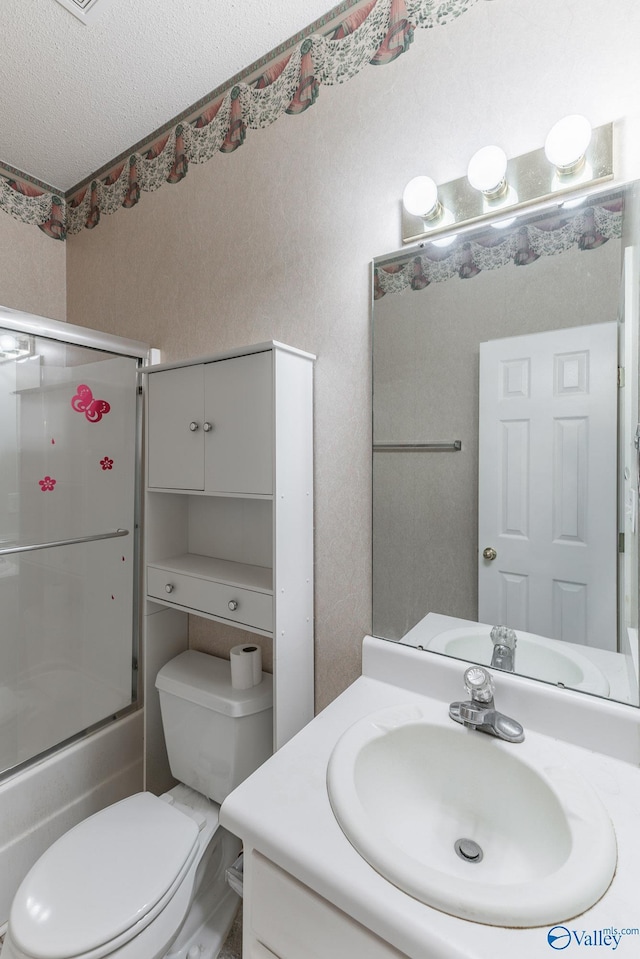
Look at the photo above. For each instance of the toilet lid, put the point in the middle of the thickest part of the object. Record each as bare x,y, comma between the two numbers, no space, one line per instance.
103,878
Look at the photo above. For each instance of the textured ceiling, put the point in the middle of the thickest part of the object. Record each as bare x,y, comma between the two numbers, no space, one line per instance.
76,95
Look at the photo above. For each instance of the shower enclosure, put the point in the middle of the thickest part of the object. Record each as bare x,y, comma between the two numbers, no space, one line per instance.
69,474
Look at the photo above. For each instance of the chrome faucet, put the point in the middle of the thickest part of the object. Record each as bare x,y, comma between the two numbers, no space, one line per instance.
479,711
504,648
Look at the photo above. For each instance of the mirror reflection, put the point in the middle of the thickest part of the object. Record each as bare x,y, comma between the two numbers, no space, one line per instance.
505,465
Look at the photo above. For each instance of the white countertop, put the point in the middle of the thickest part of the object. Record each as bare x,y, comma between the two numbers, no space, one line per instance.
283,810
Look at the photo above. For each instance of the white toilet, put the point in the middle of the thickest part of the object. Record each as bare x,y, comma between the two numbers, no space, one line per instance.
145,878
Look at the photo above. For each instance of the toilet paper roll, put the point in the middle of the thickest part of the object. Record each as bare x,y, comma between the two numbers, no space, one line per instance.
246,666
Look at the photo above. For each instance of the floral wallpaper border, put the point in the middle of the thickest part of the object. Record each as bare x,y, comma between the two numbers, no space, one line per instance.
563,230
374,32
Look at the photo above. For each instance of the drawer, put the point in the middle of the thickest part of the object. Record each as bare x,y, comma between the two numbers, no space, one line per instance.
207,596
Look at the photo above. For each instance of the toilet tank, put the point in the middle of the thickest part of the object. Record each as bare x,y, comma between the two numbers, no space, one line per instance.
216,735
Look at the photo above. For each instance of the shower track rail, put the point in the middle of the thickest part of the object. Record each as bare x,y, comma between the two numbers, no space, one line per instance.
30,547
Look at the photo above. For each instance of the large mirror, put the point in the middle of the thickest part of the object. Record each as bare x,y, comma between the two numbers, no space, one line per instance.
505,464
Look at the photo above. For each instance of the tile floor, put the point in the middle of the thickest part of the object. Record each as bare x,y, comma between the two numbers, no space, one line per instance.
232,948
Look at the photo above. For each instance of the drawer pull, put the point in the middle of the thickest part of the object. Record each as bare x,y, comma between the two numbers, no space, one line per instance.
233,605
193,426
168,588
207,427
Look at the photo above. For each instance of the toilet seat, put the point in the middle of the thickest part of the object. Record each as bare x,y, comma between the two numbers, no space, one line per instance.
104,881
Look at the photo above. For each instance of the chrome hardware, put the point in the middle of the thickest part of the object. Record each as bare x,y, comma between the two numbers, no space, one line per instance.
480,713
207,427
6,550
169,588
193,426
489,553
233,605
468,850
504,648
480,684
454,447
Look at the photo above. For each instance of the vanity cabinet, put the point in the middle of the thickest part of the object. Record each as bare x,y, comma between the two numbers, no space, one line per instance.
229,518
284,919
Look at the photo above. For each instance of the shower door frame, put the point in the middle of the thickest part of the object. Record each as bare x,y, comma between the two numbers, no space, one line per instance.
34,325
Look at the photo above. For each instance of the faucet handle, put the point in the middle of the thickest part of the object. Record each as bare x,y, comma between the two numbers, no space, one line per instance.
479,684
503,636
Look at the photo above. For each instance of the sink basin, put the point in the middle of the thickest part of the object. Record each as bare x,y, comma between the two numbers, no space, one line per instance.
546,659
406,790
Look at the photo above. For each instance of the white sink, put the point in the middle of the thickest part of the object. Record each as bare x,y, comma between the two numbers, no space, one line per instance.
546,659
405,790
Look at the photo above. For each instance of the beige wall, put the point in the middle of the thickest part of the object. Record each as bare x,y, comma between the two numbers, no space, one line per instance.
275,241
32,270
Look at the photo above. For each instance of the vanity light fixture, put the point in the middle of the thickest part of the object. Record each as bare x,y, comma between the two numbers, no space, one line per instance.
487,172
503,224
574,158
567,143
445,240
420,198
573,203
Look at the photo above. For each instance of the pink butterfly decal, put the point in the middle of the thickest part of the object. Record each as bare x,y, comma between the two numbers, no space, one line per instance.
83,402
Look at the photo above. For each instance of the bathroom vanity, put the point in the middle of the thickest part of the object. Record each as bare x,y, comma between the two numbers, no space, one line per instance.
309,893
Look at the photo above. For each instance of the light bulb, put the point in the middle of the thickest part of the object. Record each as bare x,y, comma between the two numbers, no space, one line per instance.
420,198
486,171
503,224
445,240
572,204
8,343
567,142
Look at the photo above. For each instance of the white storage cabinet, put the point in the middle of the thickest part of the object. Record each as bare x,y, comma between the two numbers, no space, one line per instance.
212,426
229,517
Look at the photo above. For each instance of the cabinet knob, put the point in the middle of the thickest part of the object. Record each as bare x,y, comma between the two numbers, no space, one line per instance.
207,427
233,604
168,588
193,427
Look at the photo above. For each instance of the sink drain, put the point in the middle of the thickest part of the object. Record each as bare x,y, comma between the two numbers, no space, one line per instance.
468,850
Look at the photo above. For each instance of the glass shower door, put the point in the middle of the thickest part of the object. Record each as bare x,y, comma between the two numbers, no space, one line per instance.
68,474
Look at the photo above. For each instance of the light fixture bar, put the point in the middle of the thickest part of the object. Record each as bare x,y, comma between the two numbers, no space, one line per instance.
533,178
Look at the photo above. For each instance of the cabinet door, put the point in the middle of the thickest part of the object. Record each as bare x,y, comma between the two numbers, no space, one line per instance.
239,408
175,448
291,921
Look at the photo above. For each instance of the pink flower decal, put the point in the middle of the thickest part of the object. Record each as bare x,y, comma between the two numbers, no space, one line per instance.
47,484
83,402
106,463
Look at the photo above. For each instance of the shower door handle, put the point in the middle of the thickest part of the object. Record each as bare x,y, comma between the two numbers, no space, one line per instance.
30,547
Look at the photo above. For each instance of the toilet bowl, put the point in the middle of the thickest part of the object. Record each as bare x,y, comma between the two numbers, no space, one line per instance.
145,877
